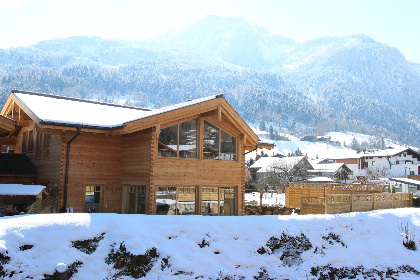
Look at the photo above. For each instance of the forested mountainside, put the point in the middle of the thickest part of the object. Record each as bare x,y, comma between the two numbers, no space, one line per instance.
341,83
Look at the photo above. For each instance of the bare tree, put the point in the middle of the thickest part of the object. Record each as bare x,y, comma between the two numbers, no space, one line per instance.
278,175
375,172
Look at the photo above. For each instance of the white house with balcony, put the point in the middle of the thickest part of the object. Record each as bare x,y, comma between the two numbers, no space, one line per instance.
392,162
388,163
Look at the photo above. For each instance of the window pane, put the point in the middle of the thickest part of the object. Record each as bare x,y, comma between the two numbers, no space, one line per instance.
31,141
168,141
92,198
188,139
211,141
136,198
210,201
166,201
227,201
186,200
228,147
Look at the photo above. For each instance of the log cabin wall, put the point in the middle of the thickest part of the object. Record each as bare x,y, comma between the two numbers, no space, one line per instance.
95,159
47,163
136,161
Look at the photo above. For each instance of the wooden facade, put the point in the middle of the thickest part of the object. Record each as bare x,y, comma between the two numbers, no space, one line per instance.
118,169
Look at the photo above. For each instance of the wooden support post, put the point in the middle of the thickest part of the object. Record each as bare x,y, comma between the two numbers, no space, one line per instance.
373,201
38,205
219,113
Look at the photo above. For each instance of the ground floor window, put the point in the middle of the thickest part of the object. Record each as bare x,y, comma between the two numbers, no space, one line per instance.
176,200
135,199
218,201
93,198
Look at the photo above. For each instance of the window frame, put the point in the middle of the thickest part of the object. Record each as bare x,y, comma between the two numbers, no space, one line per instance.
235,155
177,193
30,141
25,142
39,145
178,126
101,194
220,190
47,145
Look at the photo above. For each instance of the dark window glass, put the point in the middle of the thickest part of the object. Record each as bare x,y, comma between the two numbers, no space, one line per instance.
188,139
211,141
218,144
228,147
168,141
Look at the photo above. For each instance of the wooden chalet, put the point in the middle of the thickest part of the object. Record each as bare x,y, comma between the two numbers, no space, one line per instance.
98,157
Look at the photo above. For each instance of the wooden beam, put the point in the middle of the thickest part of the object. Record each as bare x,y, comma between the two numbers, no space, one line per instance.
219,113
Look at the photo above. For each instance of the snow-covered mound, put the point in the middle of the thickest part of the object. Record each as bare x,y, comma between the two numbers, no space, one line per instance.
113,246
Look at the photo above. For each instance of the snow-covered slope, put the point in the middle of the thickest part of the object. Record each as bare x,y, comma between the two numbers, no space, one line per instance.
111,246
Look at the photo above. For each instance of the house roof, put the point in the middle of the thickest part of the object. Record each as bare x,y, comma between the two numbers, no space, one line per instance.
387,152
326,167
57,112
54,109
266,163
320,179
17,189
406,181
16,164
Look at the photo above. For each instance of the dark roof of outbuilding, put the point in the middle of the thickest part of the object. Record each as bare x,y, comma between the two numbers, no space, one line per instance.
16,164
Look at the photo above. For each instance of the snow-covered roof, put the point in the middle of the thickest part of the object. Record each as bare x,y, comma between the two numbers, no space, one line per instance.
64,110
265,163
406,181
386,152
326,167
320,179
16,189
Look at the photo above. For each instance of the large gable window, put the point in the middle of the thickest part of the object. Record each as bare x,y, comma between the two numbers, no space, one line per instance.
218,144
179,140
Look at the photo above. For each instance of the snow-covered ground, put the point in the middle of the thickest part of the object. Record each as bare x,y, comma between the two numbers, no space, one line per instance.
363,245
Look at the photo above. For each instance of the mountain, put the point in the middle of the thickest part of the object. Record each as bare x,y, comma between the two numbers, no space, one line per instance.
350,83
229,39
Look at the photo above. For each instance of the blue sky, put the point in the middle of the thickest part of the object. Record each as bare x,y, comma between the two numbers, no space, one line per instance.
395,23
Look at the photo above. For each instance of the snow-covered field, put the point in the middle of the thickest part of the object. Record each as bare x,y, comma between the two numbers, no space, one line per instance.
315,150
365,245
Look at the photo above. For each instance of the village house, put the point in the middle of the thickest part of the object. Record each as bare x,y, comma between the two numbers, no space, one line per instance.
97,157
388,163
331,170
277,169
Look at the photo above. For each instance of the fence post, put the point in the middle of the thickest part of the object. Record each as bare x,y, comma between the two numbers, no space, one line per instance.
411,199
373,201
351,202
302,210
326,204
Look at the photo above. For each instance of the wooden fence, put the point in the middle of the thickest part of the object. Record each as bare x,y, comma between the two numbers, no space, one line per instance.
297,190
344,203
